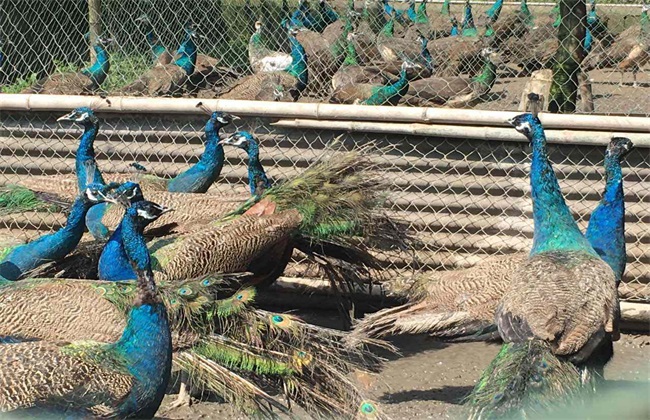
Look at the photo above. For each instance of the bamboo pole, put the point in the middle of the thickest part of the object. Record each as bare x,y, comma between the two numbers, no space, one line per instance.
94,24
591,138
319,111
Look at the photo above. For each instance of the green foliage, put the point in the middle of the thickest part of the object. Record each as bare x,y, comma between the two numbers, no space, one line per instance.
125,69
17,199
20,84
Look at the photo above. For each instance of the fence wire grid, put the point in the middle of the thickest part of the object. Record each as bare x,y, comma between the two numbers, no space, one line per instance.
463,200
483,55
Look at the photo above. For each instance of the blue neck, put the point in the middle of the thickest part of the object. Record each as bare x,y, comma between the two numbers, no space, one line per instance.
468,22
146,346
588,41
99,70
426,55
256,175
47,248
187,55
494,11
410,12
606,230
156,47
298,67
199,177
114,264
85,154
555,229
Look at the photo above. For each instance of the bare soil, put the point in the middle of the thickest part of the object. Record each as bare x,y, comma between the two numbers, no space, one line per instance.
430,379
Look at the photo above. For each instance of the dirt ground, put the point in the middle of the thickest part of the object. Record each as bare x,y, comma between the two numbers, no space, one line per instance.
609,97
430,379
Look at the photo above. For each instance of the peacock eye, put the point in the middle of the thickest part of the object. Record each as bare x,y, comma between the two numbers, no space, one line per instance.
278,318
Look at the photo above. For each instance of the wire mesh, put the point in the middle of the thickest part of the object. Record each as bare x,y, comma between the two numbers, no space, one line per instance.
464,200
353,51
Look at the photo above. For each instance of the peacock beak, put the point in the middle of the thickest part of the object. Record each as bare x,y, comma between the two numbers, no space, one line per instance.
68,117
511,121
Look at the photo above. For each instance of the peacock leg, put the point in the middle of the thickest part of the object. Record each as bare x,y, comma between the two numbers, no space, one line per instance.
622,74
635,70
184,398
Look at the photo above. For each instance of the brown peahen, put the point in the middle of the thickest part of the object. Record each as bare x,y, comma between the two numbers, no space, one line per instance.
461,304
454,91
628,50
225,345
86,82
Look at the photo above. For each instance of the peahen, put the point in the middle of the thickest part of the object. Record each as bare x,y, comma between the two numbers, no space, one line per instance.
557,314
454,91
460,304
372,94
628,50
224,344
261,58
173,78
258,182
160,54
17,262
351,72
87,81
124,376
285,85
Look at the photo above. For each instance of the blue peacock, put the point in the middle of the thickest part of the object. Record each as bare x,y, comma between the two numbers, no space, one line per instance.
558,312
159,53
440,305
225,345
17,262
125,378
258,182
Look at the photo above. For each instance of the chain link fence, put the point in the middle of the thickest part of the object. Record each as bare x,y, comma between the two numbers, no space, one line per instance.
464,200
484,55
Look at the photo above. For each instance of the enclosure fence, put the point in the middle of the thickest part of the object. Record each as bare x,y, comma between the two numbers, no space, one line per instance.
463,199
483,55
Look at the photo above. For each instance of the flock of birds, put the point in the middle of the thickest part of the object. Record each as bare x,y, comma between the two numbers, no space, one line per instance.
93,328
377,56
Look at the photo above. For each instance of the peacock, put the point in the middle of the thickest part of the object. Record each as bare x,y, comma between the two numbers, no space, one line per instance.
258,182
160,54
218,338
460,304
262,59
285,85
16,262
454,91
196,179
170,79
394,49
467,26
557,314
351,72
124,376
86,82
628,50
371,94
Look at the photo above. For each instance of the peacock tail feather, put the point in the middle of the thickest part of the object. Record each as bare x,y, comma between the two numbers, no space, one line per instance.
524,378
18,199
219,338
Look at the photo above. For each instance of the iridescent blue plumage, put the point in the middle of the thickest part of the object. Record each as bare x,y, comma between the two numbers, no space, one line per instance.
494,11
157,48
85,157
606,230
98,71
257,179
199,177
187,52
298,67
555,229
54,246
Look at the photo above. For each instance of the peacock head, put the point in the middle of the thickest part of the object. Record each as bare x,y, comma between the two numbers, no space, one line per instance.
352,36
525,124
191,29
619,147
128,193
82,115
149,211
258,26
241,139
407,64
222,119
98,193
424,41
